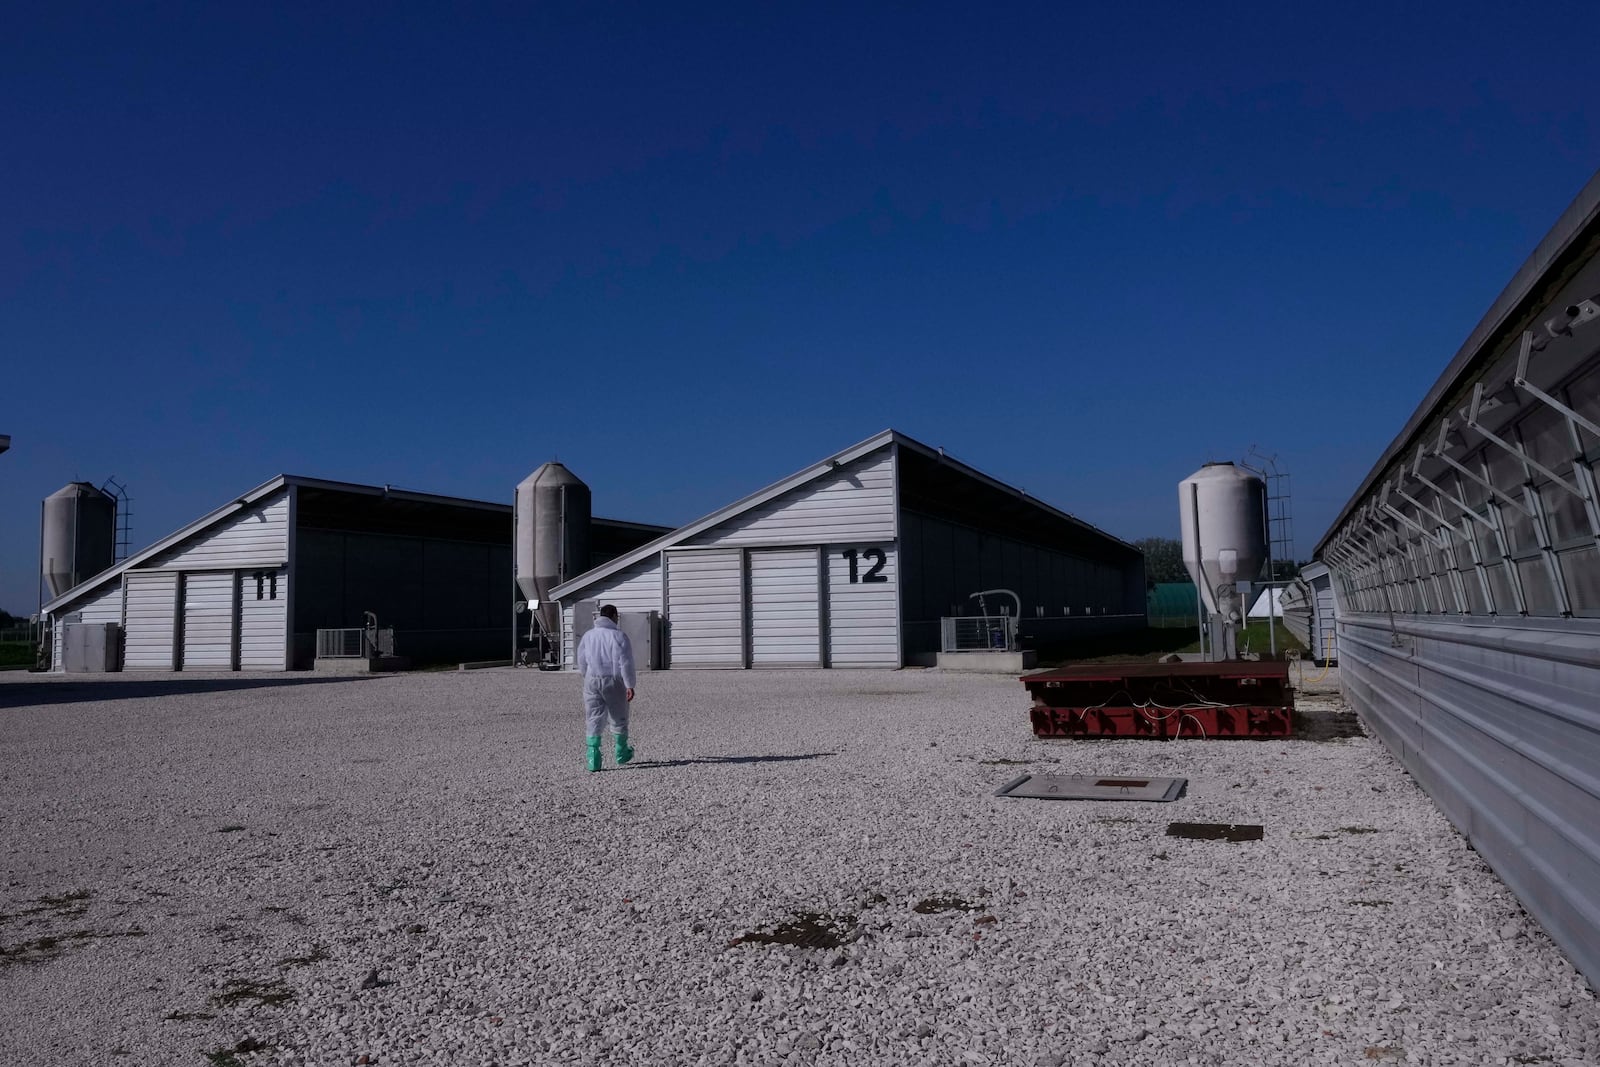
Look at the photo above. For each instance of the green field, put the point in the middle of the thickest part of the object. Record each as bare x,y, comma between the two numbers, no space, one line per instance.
16,654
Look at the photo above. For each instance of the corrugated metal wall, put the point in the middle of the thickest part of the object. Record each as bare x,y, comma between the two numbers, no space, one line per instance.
104,606
446,600
264,619
208,620
854,503
945,561
1467,575
1324,641
256,536
705,608
785,607
1498,721
151,622
864,605
953,560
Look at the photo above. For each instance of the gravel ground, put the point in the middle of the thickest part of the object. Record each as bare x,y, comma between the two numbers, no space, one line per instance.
210,869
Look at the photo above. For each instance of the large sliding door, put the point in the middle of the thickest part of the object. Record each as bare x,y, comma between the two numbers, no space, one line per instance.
208,621
785,608
705,608
150,639
863,605
263,619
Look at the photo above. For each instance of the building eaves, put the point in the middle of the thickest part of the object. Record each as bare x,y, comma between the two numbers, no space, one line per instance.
390,492
1572,239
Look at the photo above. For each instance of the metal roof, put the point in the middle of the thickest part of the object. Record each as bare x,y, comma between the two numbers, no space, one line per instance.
1562,249
816,470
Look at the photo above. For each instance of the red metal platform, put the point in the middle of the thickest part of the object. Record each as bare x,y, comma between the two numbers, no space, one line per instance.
1237,699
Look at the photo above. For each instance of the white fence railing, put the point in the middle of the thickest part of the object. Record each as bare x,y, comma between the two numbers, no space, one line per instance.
978,633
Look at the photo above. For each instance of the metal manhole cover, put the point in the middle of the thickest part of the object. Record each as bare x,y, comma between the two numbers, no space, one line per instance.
1092,787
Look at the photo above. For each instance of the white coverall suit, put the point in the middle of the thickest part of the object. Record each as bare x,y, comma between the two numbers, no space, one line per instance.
605,659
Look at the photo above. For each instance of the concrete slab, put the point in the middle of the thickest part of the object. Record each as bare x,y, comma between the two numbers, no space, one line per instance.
988,662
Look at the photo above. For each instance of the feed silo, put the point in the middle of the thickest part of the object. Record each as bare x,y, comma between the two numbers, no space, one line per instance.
1224,515
551,537
77,536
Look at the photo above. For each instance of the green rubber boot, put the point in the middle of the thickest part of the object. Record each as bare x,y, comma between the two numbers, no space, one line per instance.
624,750
594,753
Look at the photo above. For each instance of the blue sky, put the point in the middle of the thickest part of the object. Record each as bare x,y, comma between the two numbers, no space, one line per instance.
690,249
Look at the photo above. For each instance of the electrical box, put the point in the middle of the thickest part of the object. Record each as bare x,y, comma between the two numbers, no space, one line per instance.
643,629
91,647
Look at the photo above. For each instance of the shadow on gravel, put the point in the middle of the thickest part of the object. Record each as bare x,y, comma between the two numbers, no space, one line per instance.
1324,725
34,694
724,760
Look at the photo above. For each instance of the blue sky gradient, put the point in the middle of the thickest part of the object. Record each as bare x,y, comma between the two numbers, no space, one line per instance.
690,249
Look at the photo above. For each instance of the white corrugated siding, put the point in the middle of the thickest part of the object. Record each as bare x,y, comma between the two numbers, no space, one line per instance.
1323,622
150,628
705,608
104,606
263,621
785,615
854,503
863,614
257,536
208,621
637,589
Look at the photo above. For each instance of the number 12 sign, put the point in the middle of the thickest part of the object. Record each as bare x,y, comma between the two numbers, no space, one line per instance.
874,573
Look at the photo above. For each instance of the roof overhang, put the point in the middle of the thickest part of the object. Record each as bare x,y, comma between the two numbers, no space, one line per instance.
1570,244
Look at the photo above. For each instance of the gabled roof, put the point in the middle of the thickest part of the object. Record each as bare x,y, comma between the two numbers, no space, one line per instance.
200,525
800,478
271,488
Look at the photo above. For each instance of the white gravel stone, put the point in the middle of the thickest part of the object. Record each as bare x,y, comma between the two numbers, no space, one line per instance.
197,862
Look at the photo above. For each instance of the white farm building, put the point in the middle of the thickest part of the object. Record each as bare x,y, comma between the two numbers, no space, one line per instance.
247,586
853,561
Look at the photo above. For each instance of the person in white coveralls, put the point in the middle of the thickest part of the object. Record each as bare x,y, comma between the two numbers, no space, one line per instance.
605,659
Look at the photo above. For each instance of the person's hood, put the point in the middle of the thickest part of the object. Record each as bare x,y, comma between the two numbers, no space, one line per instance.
603,623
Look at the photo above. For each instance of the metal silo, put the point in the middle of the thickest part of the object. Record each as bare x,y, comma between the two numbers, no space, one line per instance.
551,537
77,536
1224,514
